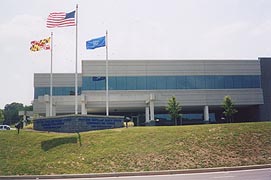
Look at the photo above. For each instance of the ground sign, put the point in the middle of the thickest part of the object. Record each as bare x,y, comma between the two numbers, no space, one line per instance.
77,123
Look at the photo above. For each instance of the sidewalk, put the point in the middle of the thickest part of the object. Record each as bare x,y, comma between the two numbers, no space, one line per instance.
147,173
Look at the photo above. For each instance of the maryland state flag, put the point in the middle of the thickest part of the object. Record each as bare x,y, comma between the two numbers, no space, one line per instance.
39,45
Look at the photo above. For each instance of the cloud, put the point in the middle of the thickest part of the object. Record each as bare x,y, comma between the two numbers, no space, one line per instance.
21,26
16,70
236,40
16,34
228,30
263,28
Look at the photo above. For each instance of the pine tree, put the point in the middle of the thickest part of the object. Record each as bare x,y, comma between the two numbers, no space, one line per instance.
229,109
174,109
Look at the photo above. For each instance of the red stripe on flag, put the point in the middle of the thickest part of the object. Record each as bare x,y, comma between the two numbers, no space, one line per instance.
57,19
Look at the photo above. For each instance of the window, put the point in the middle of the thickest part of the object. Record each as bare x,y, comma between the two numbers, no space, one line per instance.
165,82
237,82
200,82
86,83
112,83
72,93
181,82
121,83
191,82
57,91
131,83
171,82
141,82
255,82
100,84
210,82
219,82
228,82
151,82
161,82
247,82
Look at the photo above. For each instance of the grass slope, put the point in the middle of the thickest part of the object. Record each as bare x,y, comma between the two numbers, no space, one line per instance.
135,149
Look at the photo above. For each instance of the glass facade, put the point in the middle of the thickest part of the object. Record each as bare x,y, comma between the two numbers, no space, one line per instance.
186,118
173,82
156,83
57,91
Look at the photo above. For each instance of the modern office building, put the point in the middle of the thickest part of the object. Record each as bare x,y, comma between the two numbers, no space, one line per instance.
141,89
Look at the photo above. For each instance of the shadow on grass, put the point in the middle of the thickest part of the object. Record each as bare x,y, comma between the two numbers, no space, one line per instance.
47,145
79,138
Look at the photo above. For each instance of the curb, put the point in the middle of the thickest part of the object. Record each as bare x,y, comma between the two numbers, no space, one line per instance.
143,173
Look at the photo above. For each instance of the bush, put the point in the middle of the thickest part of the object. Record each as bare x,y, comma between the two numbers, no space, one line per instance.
130,124
29,126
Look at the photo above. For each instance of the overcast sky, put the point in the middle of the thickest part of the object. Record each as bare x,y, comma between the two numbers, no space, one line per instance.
138,29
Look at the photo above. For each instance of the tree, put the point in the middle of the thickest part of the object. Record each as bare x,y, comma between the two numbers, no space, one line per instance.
28,108
229,109
11,112
1,116
174,109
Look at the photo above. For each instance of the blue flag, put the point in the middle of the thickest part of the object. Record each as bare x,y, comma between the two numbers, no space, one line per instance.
98,78
96,43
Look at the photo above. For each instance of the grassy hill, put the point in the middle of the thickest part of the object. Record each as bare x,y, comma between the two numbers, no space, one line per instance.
135,149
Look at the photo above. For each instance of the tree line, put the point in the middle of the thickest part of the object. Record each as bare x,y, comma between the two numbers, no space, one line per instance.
10,114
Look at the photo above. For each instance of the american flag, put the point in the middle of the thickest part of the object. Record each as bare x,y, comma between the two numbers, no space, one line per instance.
61,19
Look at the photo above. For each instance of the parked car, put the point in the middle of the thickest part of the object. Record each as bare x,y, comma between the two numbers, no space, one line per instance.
4,127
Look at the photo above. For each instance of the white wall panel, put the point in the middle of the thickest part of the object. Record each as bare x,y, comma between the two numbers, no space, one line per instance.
172,67
59,80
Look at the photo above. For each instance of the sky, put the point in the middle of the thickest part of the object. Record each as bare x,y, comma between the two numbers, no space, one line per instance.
137,29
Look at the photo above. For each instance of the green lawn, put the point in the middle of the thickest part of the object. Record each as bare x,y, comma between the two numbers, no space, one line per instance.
135,149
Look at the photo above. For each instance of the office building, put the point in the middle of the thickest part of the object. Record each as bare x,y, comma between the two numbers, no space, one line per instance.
141,89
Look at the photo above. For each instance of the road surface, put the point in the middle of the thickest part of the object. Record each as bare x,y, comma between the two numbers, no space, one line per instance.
255,174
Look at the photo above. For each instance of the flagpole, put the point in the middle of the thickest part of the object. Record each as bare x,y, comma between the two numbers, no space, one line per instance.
106,79
76,49
51,78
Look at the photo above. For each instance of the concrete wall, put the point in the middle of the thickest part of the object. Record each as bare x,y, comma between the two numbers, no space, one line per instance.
265,109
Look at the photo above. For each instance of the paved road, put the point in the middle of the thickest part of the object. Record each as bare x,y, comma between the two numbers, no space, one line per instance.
256,174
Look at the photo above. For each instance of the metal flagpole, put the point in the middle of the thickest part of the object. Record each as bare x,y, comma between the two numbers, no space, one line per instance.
76,49
106,79
51,78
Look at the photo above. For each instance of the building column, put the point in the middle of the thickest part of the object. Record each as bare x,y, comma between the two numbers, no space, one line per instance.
147,114
83,105
47,105
54,109
149,109
206,113
152,98
152,110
